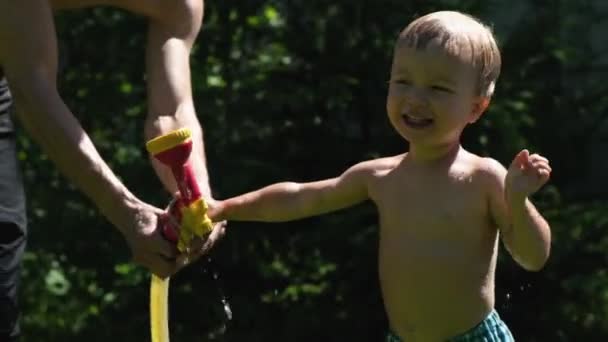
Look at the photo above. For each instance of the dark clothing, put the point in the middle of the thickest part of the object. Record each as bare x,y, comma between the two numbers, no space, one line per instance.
6,101
12,198
12,246
12,220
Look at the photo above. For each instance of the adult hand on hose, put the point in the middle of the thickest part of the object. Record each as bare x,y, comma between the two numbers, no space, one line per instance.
141,229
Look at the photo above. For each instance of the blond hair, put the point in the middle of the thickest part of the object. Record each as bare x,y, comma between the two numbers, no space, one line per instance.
458,34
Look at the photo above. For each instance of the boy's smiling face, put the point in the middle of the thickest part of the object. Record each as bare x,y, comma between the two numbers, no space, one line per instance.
432,94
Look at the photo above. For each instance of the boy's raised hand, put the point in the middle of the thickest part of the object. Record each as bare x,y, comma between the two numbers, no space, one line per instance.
526,174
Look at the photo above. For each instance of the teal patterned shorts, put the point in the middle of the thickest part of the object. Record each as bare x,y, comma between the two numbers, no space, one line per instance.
491,329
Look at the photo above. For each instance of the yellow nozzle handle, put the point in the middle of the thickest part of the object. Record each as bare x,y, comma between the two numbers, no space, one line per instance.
195,222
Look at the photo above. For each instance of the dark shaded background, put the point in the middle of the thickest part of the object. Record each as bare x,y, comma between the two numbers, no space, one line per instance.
295,90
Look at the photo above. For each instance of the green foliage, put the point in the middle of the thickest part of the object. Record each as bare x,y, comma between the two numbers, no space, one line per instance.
296,90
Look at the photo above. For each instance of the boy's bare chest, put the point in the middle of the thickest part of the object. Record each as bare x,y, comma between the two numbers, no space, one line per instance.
430,207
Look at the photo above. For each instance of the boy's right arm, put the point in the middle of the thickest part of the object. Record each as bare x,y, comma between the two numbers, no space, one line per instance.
288,201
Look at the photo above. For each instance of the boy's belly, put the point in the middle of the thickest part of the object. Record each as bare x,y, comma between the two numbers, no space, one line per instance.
434,290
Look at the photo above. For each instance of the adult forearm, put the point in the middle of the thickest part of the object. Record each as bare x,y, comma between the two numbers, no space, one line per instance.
170,101
530,235
62,138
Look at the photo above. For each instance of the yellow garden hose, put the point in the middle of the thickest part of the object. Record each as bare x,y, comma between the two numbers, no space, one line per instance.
159,318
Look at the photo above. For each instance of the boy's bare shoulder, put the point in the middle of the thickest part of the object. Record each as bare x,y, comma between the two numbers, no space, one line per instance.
379,166
488,170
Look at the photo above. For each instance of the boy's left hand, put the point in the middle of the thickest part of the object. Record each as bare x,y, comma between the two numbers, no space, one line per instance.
526,175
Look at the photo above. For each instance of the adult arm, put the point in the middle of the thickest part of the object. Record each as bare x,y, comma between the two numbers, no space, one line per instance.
170,104
28,55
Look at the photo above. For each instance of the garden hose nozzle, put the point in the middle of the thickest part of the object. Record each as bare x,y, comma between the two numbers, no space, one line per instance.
173,149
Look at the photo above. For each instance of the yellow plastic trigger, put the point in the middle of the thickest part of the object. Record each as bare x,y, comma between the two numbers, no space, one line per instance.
195,222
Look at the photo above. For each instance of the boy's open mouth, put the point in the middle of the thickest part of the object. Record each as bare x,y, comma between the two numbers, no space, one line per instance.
416,122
